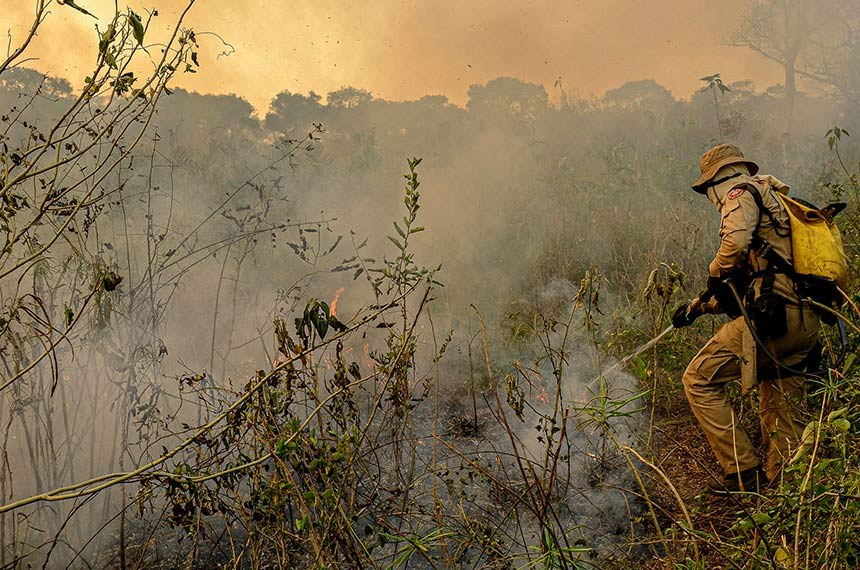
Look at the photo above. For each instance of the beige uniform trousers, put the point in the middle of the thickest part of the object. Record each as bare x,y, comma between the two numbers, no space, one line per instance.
781,398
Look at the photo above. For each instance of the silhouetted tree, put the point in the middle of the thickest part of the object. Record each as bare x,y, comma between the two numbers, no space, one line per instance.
348,97
800,35
645,93
25,80
294,110
509,97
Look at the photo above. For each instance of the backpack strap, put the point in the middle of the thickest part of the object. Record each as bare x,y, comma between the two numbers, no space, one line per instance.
764,211
759,245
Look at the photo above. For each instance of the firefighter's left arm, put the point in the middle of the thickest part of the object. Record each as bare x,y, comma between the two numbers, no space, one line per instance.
740,216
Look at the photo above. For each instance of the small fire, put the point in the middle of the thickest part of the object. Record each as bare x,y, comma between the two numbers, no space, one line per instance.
333,305
368,360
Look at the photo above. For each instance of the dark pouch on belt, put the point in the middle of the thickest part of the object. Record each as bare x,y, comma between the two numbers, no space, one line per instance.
768,314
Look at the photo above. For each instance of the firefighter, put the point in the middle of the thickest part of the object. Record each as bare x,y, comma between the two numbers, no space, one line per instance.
751,215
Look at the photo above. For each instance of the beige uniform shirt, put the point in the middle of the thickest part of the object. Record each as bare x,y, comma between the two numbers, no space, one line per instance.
740,218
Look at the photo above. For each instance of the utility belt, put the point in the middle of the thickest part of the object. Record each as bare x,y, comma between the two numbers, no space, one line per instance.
767,309
767,320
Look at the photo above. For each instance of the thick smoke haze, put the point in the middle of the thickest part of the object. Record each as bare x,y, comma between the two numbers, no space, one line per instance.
537,197
406,49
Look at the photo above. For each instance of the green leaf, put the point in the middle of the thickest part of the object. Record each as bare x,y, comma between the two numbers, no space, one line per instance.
836,414
106,38
71,4
111,280
782,556
399,231
849,362
395,242
321,324
762,518
758,519
354,370
137,26
334,323
302,523
806,440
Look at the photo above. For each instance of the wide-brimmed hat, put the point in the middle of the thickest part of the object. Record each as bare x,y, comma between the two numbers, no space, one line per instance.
716,158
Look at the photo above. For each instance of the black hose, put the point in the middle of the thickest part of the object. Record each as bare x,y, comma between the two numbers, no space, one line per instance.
843,339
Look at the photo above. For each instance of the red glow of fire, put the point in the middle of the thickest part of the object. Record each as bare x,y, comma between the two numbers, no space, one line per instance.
368,360
333,305
279,360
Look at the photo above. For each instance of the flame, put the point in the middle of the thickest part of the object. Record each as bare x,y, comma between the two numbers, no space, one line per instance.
368,360
333,305
279,360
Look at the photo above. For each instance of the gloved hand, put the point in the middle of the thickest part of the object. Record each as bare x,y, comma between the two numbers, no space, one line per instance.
717,287
721,291
686,313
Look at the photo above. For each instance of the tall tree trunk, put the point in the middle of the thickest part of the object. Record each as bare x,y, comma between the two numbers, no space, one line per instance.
790,93
792,13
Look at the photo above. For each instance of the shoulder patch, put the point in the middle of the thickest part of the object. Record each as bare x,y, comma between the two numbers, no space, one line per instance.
735,193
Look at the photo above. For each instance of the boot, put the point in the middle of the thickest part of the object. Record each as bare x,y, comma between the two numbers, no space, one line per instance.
747,481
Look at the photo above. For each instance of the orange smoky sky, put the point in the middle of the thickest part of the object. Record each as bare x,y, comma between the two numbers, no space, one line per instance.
404,49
